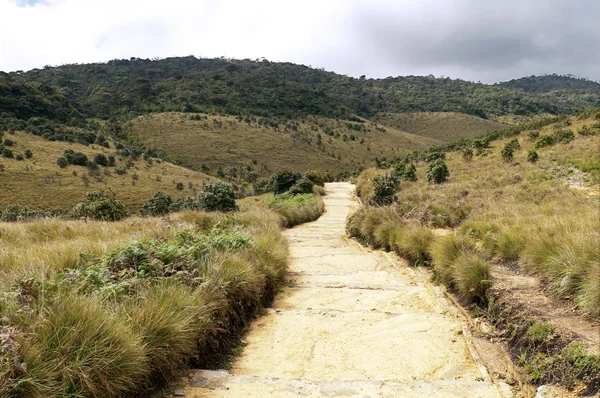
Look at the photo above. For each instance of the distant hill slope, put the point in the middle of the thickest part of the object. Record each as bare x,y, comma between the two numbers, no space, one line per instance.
549,83
264,88
38,182
227,141
440,126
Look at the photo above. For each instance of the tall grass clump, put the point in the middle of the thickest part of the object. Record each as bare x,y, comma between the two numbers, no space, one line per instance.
77,347
297,209
412,242
136,311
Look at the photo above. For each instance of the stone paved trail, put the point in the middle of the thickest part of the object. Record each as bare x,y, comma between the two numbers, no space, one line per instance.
351,323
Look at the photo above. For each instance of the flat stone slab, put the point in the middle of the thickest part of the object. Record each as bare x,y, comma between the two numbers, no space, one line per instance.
411,299
350,322
222,384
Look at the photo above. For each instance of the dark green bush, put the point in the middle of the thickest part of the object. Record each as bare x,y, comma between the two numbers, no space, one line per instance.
507,152
282,181
28,154
217,197
121,170
437,172
544,141
158,205
101,160
75,158
532,156
384,190
19,157
179,186
102,206
262,186
7,153
563,136
8,142
61,162
111,161
303,185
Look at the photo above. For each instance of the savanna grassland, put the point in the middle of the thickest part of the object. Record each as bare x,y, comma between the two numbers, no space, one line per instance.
440,126
532,210
107,309
266,146
39,183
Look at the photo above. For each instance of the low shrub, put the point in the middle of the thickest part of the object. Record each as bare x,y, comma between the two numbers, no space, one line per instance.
507,153
217,197
437,172
282,181
384,190
103,206
100,159
318,177
75,158
158,205
532,156
302,186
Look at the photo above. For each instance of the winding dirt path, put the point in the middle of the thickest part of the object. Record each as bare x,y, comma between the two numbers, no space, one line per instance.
351,323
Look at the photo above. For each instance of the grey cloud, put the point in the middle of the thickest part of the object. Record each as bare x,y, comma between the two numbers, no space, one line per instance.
481,40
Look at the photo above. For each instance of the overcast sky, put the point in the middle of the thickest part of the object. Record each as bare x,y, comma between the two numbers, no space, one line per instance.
478,40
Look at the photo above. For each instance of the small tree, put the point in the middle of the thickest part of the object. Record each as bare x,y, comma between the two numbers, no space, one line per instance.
28,154
384,190
111,161
532,156
467,154
217,197
179,186
102,206
507,153
437,172
158,205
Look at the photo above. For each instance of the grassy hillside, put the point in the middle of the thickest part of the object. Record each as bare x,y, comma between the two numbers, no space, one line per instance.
440,126
310,143
38,182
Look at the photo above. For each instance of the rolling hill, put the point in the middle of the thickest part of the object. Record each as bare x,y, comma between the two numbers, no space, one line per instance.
296,145
440,126
38,182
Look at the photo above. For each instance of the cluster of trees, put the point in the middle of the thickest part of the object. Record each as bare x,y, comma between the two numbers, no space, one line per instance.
124,88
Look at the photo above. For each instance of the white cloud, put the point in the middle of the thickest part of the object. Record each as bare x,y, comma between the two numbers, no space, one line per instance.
491,40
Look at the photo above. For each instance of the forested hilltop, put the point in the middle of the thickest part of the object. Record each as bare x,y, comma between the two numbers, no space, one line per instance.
124,88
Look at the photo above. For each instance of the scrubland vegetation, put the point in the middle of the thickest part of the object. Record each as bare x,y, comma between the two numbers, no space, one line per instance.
38,182
104,309
496,210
